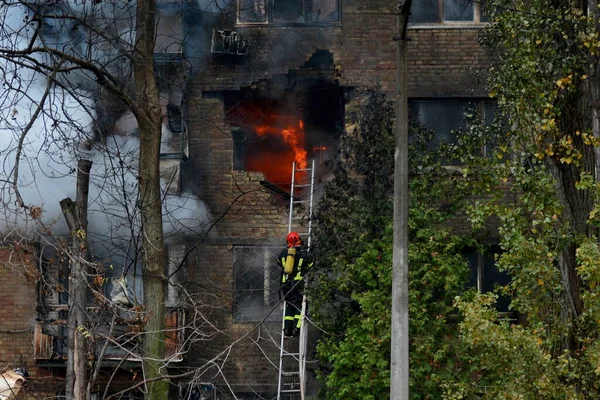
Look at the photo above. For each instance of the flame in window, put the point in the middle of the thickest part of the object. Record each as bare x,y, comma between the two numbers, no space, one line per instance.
270,140
292,134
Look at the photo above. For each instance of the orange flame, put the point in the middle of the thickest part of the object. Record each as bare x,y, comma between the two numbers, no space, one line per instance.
293,136
281,141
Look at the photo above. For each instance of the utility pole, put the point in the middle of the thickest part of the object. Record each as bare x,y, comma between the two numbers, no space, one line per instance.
399,382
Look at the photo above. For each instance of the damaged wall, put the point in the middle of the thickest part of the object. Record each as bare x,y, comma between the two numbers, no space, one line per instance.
442,62
18,272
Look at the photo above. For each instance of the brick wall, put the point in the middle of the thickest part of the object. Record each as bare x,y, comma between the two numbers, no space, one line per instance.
17,320
441,63
446,63
248,214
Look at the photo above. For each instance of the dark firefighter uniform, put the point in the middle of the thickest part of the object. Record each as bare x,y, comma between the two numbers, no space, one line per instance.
294,261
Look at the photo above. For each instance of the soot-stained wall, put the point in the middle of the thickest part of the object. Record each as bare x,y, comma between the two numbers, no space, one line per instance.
360,52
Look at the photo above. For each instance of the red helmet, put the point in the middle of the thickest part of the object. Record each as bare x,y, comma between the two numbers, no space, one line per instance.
293,239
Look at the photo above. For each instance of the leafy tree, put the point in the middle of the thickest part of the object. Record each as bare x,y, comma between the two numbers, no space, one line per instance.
545,79
352,288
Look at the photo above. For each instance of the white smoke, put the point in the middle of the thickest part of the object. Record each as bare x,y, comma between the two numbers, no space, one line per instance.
58,137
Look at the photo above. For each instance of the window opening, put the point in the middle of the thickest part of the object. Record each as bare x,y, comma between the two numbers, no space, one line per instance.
288,11
485,275
444,116
256,282
451,11
271,130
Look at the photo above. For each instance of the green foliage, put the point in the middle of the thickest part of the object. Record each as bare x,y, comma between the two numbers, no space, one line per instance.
351,293
506,361
544,198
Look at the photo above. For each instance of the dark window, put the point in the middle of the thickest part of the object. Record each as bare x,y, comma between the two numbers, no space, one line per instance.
483,11
424,11
256,282
444,116
324,11
485,275
174,118
435,11
288,11
490,108
459,10
252,10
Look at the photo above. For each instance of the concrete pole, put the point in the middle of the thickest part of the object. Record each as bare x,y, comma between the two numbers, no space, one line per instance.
399,382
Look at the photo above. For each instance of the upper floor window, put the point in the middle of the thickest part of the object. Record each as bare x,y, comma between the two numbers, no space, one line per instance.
445,116
450,11
288,11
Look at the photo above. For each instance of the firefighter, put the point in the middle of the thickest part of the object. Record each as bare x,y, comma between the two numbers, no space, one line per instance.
294,261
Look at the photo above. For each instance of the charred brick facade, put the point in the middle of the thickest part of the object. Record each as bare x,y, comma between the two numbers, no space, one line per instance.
444,62
18,275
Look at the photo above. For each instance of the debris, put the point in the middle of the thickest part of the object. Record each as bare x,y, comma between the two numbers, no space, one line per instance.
11,382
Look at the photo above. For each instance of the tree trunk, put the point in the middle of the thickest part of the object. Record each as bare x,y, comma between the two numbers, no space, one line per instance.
76,217
149,118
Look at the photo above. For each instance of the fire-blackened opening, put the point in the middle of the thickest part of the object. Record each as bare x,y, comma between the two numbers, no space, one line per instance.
272,130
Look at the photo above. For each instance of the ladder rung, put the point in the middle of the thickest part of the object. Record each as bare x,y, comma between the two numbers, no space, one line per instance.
302,169
290,391
290,373
301,201
301,186
291,354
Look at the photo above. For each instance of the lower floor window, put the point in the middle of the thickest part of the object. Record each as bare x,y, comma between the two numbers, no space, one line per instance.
485,275
256,282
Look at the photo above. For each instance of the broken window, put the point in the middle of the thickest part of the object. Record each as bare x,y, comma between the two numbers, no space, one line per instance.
115,289
434,11
256,282
252,10
288,11
197,391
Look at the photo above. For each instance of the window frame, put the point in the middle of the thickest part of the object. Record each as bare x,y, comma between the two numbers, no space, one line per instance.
269,21
482,268
479,103
271,278
441,21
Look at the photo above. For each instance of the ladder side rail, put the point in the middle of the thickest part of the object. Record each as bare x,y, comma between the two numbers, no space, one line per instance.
302,349
281,351
310,204
292,196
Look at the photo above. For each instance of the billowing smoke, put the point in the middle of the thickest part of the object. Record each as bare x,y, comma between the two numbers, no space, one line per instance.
51,125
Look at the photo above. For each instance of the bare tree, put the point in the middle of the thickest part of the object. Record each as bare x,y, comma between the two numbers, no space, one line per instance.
74,74
80,83
148,113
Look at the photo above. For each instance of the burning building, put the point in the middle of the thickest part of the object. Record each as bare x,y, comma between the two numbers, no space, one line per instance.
249,87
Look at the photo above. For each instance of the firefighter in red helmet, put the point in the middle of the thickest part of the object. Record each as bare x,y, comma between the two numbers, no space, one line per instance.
294,261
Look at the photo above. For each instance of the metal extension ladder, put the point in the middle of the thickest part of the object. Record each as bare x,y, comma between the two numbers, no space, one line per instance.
292,382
